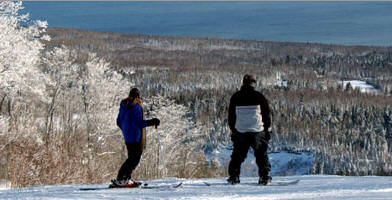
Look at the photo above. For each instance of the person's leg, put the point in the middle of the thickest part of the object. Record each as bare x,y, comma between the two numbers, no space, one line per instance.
240,151
260,147
134,155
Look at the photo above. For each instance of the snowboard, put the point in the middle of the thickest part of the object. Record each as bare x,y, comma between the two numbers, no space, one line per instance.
139,185
273,183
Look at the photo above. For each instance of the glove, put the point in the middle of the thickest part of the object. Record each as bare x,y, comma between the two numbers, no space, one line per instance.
267,135
156,121
153,122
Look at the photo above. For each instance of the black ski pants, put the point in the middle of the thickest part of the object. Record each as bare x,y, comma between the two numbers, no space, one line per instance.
134,155
241,144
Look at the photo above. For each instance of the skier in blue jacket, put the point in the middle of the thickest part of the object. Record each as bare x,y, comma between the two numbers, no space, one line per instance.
132,124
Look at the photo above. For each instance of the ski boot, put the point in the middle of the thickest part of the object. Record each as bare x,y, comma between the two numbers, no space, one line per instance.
233,180
265,180
124,184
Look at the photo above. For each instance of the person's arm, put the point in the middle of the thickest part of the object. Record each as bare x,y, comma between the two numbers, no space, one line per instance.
120,116
265,113
145,123
232,115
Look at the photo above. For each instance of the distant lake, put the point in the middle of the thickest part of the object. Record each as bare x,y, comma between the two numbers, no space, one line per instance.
347,23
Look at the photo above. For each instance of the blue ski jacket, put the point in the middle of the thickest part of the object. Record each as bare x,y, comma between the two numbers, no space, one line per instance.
130,120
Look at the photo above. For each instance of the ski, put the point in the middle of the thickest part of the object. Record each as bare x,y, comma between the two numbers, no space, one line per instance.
283,183
273,183
141,186
161,186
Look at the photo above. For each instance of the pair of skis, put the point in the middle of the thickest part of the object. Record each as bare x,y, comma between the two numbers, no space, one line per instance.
139,185
174,186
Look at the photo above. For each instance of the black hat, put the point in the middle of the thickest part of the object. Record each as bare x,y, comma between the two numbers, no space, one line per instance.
249,80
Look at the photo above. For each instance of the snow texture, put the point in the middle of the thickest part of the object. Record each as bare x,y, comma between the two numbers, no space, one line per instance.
282,163
363,86
288,163
309,187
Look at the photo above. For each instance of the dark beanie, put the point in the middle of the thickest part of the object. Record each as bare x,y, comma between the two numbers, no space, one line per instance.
249,80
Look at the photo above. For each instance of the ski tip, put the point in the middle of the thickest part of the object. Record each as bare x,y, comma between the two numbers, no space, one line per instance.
207,184
178,185
90,189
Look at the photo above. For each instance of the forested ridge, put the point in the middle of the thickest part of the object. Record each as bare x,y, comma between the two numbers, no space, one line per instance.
350,131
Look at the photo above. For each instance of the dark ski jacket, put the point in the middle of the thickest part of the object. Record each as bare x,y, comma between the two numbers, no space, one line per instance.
130,120
248,98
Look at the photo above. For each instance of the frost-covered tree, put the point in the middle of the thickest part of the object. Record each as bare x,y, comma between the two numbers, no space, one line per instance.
101,88
174,146
20,50
63,71
22,82
62,99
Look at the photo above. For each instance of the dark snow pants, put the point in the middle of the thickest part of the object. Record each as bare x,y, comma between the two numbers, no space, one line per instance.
134,155
241,144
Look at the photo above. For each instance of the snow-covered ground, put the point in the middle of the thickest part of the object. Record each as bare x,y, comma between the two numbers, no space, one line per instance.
288,163
283,163
309,187
4,184
362,86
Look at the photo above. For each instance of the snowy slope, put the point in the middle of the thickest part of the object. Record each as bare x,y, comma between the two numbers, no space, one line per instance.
283,163
288,163
310,187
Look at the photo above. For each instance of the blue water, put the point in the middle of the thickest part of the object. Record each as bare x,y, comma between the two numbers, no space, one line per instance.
348,23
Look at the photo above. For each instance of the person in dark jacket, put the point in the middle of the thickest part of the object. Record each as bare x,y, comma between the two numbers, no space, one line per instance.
132,124
249,122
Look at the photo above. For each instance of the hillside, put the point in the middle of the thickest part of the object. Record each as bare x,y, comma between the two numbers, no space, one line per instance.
347,128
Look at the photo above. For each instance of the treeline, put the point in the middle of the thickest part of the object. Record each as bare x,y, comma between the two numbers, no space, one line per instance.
296,61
